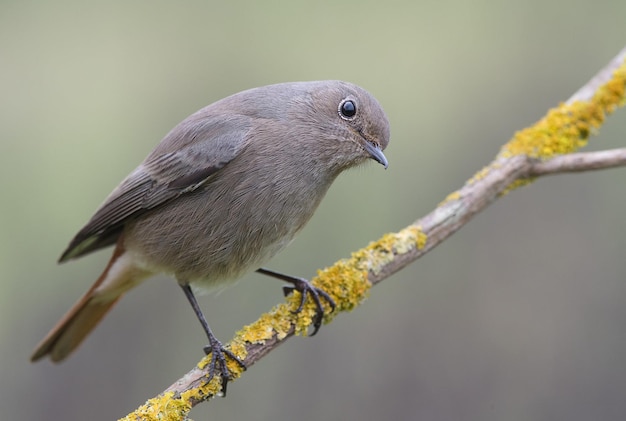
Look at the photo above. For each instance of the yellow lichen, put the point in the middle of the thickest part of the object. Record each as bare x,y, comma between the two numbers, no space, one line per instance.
378,253
164,407
479,175
567,127
422,238
204,390
346,282
456,195
563,130
276,322
516,184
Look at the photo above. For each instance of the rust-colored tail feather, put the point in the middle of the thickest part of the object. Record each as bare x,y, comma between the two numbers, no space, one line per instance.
73,328
83,317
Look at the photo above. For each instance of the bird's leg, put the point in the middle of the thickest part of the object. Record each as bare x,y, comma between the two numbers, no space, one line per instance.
304,287
215,347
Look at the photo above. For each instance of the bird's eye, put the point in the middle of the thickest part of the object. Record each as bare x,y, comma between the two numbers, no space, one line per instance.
347,109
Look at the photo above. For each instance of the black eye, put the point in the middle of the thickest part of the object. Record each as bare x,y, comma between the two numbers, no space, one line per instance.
347,109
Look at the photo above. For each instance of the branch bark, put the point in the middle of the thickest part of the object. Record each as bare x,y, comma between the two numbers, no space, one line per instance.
546,148
578,162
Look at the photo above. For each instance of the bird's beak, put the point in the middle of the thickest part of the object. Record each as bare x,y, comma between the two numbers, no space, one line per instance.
376,153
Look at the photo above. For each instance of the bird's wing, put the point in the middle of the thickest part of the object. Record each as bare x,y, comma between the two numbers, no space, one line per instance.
186,159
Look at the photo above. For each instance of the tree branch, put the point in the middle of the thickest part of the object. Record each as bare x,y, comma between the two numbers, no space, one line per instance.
578,162
543,149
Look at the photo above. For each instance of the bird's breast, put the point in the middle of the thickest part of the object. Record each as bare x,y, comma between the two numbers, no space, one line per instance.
218,234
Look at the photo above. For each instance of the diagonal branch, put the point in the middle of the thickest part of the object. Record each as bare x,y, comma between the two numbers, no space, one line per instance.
545,148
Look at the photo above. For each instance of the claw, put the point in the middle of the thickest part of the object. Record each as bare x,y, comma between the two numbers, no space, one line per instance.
288,290
218,353
304,287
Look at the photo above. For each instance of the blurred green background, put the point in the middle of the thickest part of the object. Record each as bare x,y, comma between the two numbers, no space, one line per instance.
519,316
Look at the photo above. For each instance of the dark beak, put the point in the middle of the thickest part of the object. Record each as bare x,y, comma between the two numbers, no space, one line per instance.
376,153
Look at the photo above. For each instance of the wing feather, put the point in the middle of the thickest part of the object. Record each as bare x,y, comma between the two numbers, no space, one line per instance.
185,160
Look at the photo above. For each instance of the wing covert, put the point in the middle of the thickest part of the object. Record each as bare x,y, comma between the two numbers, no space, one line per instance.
185,160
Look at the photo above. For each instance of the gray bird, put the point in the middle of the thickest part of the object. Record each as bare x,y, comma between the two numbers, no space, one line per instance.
222,193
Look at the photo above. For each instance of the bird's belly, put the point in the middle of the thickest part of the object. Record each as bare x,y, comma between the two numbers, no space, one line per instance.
211,278
219,249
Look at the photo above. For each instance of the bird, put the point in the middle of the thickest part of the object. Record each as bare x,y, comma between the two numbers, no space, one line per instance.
222,193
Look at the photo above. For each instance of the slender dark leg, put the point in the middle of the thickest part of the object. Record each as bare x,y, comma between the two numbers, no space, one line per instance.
215,347
304,287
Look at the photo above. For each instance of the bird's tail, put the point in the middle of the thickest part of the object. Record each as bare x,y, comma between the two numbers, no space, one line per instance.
119,276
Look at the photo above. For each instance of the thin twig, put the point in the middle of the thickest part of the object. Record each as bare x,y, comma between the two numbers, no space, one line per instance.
577,162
